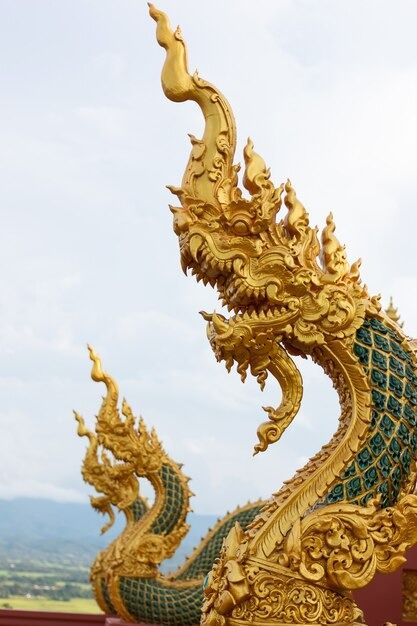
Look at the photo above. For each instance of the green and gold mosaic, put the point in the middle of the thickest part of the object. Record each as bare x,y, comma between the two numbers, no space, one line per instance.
155,600
173,503
151,600
383,464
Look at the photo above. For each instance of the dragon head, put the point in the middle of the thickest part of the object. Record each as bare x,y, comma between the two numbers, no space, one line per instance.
120,451
262,267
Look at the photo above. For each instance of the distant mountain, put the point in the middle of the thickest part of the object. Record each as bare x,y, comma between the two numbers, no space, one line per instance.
47,530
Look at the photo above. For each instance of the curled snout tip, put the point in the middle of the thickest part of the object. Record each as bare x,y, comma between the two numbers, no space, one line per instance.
207,316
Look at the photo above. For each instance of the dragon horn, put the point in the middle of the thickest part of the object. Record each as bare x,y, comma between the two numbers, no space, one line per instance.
219,140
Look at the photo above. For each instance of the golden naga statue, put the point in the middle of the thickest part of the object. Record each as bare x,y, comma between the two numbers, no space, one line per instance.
125,575
351,511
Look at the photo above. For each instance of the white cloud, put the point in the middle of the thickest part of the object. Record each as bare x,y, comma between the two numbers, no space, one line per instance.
86,245
28,488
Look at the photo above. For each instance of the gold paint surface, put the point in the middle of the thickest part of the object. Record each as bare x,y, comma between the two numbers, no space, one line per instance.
290,293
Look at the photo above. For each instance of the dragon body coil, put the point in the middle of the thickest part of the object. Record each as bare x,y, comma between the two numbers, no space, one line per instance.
125,575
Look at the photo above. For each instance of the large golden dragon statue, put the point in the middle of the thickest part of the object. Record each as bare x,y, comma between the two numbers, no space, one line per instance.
350,512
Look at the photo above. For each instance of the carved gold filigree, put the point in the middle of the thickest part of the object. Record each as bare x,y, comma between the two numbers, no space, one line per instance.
290,293
243,589
120,452
344,545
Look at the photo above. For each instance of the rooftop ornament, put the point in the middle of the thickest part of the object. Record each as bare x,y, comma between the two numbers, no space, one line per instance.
393,314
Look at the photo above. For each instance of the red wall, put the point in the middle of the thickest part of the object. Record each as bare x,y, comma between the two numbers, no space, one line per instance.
381,600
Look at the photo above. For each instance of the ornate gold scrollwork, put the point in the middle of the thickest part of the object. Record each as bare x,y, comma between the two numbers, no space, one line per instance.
291,293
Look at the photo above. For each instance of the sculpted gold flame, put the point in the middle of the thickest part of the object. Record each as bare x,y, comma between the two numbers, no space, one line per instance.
350,512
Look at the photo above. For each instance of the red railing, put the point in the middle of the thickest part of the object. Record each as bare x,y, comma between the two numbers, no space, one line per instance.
15,617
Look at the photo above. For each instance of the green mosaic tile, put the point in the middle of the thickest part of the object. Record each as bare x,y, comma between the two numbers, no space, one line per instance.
406,461
364,459
377,444
410,375
396,386
385,465
394,449
106,597
139,509
403,433
171,510
336,494
378,326
387,425
350,471
374,419
150,600
394,406
365,499
379,379
396,366
363,335
398,351
396,478
370,478
381,343
354,488
393,334
384,461
409,415
362,353
383,489
410,393
378,399
379,360
204,562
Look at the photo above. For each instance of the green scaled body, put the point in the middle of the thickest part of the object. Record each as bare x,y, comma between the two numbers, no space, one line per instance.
383,464
175,599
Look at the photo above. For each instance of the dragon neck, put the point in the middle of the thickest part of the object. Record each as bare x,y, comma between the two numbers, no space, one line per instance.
373,452
154,537
314,480
137,510
130,452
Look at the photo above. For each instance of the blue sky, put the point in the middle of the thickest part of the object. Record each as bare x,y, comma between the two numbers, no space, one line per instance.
327,91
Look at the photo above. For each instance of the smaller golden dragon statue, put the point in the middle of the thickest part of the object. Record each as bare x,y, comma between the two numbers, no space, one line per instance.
351,511
125,575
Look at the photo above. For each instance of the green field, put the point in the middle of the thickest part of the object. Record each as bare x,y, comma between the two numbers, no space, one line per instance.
40,584
75,605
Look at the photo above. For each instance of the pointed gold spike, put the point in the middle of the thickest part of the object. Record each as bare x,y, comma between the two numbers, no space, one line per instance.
296,221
